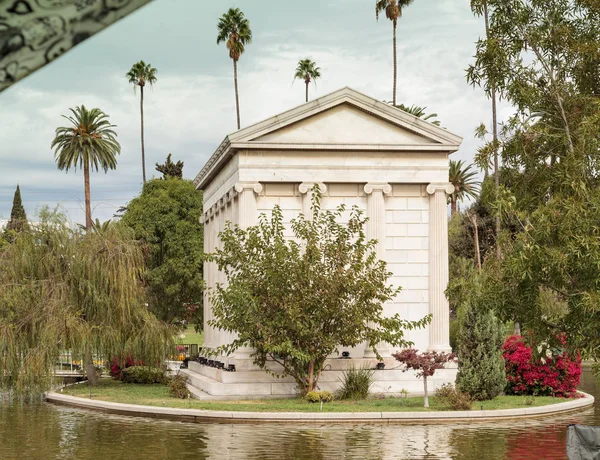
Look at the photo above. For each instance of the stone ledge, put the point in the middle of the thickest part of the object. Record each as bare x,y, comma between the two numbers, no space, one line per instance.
198,415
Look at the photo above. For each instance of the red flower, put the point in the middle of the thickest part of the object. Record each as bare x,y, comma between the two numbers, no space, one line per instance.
556,375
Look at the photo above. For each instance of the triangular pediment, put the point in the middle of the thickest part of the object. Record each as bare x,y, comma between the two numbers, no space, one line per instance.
342,119
345,124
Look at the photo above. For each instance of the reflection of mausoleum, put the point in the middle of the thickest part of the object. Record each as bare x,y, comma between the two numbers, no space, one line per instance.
359,151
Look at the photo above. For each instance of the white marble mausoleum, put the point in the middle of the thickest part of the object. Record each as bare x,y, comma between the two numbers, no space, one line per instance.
358,151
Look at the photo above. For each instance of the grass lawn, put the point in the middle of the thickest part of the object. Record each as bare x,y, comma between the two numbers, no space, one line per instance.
158,395
190,336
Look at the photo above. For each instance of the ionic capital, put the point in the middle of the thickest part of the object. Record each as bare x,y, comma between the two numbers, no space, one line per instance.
384,187
241,186
305,187
445,187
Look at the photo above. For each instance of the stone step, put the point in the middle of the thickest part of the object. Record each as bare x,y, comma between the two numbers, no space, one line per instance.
258,384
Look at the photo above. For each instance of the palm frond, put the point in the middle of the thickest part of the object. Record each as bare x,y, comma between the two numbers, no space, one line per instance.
90,140
464,179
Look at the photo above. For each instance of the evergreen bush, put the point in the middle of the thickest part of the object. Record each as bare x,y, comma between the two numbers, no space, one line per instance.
481,371
143,374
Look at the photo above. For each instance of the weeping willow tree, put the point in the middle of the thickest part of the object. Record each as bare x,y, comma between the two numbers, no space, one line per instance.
64,290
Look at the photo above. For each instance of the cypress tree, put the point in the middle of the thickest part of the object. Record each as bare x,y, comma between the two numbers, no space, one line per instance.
18,218
481,371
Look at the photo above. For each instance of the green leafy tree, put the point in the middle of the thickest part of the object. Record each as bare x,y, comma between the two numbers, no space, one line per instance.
465,184
481,371
538,56
169,169
322,290
18,217
62,290
234,30
393,11
166,218
142,74
89,143
308,71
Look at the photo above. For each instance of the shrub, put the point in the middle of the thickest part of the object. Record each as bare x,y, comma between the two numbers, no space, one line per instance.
318,396
480,363
178,387
356,383
143,374
556,374
454,398
117,365
313,397
326,396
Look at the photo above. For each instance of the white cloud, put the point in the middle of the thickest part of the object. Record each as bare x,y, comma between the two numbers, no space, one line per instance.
192,106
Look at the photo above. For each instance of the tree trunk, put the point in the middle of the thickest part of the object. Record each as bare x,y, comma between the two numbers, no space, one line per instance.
237,99
88,207
395,66
426,397
311,371
142,123
494,134
517,329
90,369
453,205
476,237
306,91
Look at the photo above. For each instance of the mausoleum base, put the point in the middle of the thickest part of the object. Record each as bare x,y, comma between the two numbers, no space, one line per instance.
256,382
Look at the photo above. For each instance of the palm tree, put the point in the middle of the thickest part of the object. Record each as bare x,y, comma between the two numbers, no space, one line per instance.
308,71
234,30
463,179
419,112
140,75
480,8
89,142
393,11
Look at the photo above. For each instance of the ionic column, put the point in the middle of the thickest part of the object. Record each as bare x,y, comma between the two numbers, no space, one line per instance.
248,215
439,329
376,230
306,189
247,202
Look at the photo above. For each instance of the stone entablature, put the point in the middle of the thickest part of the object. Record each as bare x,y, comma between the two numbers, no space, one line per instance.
358,151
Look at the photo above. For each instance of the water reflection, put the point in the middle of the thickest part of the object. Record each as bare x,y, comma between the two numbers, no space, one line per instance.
41,432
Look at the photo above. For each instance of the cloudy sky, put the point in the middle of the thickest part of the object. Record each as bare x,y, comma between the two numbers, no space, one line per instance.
192,106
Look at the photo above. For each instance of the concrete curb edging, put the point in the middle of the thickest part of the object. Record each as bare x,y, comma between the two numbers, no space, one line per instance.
199,416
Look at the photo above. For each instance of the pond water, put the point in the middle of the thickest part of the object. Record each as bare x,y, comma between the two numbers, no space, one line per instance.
43,431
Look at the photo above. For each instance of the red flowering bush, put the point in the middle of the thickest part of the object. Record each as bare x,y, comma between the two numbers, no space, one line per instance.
117,365
556,374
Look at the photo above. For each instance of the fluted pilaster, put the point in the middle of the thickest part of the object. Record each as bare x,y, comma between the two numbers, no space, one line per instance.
248,215
376,230
439,329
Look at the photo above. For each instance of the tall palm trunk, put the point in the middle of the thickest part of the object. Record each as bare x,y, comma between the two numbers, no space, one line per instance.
237,99
306,90
395,65
494,132
453,206
142,121
88,208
